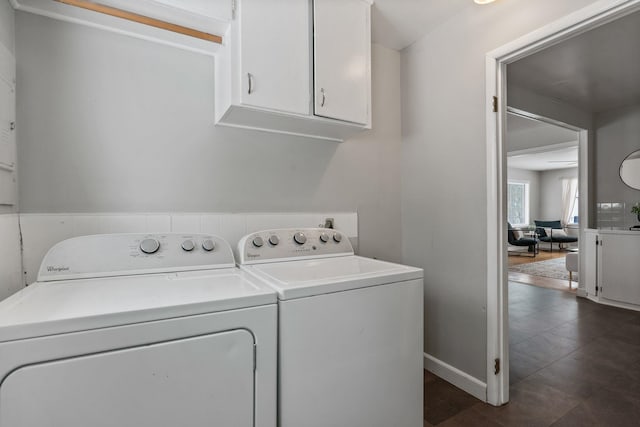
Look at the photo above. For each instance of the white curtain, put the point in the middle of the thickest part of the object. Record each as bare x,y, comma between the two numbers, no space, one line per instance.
569,193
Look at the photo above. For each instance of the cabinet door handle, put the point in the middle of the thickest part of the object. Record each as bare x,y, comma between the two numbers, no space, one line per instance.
250,80
324,97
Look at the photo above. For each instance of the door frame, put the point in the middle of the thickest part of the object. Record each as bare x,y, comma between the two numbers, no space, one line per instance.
592,16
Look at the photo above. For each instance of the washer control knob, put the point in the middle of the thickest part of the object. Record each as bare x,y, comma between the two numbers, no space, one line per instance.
324,237
300,238
208,245
149,246
188,245
258,242
274,240
337,237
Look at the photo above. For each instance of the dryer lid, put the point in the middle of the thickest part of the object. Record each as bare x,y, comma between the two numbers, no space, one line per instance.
48,308
304,278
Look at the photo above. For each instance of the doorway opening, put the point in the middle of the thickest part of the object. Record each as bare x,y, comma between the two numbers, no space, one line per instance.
543,208
574,76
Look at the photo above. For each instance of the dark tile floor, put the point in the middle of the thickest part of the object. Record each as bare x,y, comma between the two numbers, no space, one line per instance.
573,363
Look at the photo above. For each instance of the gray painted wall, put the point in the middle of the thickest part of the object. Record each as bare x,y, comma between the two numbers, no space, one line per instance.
7,25
618,135
10,262
7,38
116,124
533,178
551,192
444,173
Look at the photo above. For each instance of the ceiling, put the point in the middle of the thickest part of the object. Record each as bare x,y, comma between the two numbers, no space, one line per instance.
398,23
596,71
526,134
547,160
539,146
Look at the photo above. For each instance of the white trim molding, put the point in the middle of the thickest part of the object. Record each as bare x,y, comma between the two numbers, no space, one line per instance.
455,376
88,18
592,16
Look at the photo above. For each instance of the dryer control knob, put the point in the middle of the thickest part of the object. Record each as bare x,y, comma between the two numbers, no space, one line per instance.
258,242
188,245
274,240
324,237
300,238
337,237
208,245
149,246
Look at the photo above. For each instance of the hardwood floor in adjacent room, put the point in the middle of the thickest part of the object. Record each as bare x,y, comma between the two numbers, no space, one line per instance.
573,363
543,282
541,256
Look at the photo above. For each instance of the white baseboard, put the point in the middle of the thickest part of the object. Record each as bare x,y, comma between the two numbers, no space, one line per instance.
455,376
581,292
618,304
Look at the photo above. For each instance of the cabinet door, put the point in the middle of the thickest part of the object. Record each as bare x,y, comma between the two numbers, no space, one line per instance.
342,59
620,268
588,270
275,44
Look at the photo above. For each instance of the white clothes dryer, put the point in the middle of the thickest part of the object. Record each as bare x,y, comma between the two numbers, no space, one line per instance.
350,349
136,330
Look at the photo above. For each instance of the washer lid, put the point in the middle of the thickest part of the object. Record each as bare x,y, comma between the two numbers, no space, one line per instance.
47,308
304,278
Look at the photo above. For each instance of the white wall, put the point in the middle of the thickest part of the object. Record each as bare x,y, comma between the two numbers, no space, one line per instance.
444,173
551,192
7,39
10,262
618,135
533,178
115,124
7,25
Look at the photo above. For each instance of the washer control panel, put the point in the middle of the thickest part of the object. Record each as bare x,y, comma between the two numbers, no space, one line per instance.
109,255
294,243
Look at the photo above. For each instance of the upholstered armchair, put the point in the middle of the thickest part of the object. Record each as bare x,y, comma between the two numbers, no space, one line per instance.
531,243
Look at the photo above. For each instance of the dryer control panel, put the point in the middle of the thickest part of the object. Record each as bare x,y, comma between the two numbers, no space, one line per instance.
292,243
108,255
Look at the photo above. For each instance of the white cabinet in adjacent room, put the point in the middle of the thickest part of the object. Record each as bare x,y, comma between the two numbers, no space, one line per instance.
619,275
342,57
611,270
274,54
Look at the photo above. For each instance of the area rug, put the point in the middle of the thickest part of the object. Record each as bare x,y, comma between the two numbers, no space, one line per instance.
553,268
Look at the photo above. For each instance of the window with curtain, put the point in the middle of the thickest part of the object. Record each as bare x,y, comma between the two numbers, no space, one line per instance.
574,217
518,203
569,200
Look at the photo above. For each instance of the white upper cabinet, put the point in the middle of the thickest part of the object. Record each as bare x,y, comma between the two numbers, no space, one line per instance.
280,62
274,54
342,58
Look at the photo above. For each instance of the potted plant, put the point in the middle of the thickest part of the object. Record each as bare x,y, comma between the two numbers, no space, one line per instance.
635,209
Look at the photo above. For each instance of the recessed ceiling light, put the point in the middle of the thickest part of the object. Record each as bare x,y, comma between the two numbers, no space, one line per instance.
484,1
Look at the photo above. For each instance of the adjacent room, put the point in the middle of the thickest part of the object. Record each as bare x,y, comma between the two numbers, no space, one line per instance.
542,201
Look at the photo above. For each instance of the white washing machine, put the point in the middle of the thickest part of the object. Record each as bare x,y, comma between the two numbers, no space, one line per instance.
134,330
350,330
